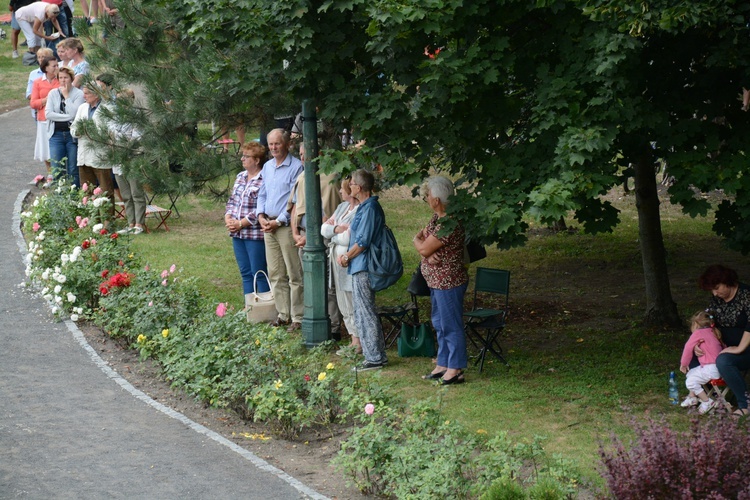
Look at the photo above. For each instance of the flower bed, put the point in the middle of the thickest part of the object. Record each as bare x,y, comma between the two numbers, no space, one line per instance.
87,272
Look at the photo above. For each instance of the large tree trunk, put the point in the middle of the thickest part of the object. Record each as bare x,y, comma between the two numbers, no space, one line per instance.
660,308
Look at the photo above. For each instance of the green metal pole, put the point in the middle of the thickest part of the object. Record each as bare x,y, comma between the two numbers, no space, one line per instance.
316,325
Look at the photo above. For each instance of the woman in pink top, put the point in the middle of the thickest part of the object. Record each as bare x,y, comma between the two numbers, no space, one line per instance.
38,101
708,337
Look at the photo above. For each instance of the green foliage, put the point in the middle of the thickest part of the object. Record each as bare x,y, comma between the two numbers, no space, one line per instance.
417,453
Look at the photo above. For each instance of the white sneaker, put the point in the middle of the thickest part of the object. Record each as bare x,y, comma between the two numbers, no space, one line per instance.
15,54
125,231
690,401
136,230
706,406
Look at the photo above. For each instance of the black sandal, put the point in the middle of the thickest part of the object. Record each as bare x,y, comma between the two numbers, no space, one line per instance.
433,376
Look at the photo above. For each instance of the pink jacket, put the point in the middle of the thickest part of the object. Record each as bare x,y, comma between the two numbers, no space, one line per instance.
711,347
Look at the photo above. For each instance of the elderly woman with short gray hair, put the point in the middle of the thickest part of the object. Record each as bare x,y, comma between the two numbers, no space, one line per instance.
366,227
444,271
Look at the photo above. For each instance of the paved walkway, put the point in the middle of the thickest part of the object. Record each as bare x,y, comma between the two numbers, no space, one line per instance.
70,427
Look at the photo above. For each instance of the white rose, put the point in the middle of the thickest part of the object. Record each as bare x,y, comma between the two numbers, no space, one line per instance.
64,258
58,299
47,297
100,201
36,202
55,309
73,317
61,278
97,227
45,290
58,288
71,297
45,275
77,251
73,257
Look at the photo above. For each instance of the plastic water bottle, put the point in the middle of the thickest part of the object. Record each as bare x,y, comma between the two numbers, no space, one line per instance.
674,396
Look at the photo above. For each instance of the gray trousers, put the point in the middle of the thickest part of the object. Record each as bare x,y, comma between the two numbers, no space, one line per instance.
366,318
134,198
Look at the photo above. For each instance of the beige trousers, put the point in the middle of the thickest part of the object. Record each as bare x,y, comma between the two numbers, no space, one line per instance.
285,273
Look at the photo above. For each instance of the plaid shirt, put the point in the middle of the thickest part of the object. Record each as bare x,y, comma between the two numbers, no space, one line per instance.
242,204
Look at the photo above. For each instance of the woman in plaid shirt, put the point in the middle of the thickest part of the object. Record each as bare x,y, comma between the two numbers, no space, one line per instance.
241,221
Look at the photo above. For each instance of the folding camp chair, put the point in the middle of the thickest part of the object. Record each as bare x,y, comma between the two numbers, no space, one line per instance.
393,317
483,325
717,390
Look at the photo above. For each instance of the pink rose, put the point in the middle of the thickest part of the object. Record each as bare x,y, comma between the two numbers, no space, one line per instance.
85,186
164,283
150,304
164,273
97,191
369,408
85,200
36,227
172,268
221,309
78,219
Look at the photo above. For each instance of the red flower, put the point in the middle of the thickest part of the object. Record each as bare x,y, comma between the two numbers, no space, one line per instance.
70,229
103,231
103,289
105,273
120,263
307,377
85,244
114,235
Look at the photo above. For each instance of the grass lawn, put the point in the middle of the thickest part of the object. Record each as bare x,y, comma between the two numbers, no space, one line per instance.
581,367
13,74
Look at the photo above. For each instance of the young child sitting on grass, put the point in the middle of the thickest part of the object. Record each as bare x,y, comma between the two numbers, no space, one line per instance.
708,337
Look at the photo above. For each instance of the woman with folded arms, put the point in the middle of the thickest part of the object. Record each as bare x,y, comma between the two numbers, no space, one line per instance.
62,105
444,271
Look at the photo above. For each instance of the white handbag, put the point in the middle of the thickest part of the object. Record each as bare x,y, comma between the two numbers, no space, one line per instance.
260,306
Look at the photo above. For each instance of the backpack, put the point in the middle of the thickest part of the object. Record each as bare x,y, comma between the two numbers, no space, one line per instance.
384,266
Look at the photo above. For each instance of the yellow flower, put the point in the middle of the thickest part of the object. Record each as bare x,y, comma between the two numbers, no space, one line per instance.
130,256
165,333
278,384
329,366
257,341
481,431
141,339
322,376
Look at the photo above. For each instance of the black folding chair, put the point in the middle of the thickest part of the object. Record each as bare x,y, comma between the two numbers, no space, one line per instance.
393,317
483,325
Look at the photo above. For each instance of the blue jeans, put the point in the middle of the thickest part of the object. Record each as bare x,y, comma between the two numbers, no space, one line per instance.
448,321
732,368
251,258
64,150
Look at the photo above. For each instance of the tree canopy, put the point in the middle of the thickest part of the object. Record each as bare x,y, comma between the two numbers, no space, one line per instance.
535,108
